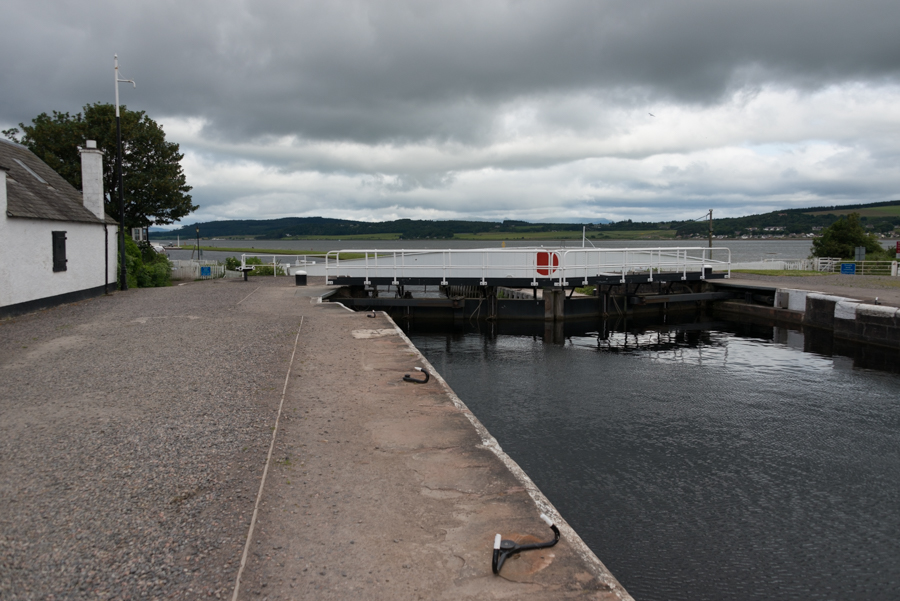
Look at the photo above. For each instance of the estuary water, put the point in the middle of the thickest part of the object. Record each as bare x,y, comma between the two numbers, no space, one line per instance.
701,460
741,250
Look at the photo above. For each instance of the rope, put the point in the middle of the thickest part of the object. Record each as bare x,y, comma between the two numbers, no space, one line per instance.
262,483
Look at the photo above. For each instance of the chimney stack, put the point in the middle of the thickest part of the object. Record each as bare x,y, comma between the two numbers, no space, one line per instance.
92,179
3,171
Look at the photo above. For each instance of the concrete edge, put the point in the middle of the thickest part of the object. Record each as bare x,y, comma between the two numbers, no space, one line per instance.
542,502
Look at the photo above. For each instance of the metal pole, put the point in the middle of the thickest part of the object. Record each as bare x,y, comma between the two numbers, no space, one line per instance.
123,273
123,270
710,227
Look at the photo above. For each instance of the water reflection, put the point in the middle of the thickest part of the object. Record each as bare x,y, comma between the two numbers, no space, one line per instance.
700,459
696,334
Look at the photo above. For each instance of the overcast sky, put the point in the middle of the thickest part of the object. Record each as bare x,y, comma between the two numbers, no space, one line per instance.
486,110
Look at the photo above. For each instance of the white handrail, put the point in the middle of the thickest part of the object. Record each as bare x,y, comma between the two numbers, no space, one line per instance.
535,263
299,261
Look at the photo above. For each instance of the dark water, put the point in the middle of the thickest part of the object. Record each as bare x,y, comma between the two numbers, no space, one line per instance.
709,460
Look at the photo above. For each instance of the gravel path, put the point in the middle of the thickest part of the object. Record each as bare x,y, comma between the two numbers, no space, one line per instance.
133,432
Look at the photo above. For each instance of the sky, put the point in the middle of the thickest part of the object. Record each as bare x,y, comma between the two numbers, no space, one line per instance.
533,110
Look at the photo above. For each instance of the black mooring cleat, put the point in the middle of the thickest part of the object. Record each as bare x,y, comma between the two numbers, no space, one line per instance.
504,548
408,378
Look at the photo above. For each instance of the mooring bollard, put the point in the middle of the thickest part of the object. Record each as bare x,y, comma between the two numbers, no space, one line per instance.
300,278
503,548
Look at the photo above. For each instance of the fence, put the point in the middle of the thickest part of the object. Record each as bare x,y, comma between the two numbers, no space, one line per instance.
196,270
864,267
825,264
793,264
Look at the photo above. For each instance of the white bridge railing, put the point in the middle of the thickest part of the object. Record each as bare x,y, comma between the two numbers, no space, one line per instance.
279,264
562,267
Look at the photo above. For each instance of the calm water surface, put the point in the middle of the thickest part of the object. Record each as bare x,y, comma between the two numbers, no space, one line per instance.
708,460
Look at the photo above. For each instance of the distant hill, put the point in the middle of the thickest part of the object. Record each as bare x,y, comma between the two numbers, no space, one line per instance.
879,217
407,229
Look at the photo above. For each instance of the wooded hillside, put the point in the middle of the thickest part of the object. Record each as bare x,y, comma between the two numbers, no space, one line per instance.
879,218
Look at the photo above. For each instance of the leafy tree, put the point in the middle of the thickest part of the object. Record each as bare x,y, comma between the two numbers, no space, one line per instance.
843,236
156,192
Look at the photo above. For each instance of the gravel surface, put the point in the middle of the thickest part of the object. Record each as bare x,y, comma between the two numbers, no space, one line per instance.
133,433
862,287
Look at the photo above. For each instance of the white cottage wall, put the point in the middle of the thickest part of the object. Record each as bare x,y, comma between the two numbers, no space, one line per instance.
26,257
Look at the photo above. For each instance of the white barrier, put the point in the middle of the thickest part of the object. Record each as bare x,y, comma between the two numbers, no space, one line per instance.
196,270
561,266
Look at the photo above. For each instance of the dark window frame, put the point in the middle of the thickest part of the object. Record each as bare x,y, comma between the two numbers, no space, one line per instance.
59,251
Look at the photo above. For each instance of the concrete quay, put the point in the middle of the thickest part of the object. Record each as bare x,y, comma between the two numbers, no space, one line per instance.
864,311
158,443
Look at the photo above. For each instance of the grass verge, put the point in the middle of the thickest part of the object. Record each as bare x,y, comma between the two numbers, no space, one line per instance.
781,272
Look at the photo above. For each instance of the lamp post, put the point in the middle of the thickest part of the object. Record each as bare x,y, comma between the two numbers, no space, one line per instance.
123,271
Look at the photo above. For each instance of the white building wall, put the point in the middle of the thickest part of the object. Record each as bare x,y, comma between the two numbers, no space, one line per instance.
26,257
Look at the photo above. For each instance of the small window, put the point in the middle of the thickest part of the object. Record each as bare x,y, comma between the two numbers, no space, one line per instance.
59,251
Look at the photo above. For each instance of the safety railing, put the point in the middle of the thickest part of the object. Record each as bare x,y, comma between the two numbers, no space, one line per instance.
865,268
561,267
276,264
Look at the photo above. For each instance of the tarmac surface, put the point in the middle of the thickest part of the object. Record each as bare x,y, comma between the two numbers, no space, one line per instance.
861,287
154,441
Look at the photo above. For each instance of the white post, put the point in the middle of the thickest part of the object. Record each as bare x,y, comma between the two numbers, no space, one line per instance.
894,268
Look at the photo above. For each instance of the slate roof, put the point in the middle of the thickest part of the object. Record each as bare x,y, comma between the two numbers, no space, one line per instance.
28,197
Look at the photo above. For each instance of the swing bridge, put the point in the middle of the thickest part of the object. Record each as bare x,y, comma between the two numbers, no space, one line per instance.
494,284
526,267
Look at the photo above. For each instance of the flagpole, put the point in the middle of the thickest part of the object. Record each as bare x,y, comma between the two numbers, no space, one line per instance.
123,270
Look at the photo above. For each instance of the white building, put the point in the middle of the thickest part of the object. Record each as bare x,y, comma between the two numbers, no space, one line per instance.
57,245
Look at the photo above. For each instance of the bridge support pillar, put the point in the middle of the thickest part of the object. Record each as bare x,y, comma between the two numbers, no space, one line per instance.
554,304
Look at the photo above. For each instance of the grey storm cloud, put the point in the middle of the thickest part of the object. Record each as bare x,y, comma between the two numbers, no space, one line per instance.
426,70
526,109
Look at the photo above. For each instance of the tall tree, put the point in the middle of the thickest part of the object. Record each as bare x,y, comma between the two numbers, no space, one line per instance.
843,236
156,191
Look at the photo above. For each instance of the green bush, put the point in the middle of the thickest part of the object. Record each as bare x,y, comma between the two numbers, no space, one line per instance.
146,268
232,263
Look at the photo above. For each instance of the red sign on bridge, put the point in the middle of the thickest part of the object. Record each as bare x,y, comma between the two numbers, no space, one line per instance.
547,262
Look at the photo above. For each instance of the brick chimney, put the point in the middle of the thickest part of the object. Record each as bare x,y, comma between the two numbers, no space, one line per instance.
92,178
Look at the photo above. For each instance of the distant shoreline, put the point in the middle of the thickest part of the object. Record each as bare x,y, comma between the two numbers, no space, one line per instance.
188,244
